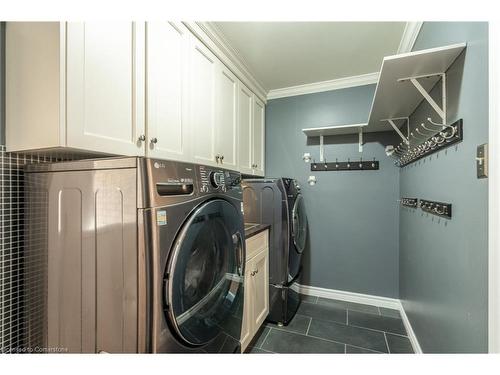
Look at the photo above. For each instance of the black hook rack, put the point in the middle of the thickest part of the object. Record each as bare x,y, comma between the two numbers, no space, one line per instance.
438,141
358,165
409,202
436,208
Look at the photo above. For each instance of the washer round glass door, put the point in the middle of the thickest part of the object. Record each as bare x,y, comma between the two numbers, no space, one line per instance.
299,224
205,283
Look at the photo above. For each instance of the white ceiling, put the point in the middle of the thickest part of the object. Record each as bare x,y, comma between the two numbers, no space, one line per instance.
285,54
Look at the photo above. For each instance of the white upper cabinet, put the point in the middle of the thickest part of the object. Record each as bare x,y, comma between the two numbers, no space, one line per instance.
203,70
128,88
251,125
33,85
166,81
258,136
105,86
226,117
245,118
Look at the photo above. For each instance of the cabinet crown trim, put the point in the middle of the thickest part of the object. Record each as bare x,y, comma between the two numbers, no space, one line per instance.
209,32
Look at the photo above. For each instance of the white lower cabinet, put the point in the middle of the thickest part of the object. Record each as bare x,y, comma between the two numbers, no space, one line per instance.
256,285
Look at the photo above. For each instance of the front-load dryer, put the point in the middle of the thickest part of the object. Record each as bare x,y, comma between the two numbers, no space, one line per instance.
278,202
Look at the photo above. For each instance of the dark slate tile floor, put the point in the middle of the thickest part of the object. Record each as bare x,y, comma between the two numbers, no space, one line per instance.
330,326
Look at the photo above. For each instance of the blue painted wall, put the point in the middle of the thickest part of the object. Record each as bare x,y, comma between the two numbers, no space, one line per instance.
353,216
444,263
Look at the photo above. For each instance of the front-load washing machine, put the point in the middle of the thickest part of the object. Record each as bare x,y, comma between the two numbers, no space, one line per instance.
134,255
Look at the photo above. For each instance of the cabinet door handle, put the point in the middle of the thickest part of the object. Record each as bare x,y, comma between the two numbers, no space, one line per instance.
222,159
142,138
154,140
217,157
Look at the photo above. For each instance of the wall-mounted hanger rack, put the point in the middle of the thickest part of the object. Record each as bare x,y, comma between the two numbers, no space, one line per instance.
409,202
426,145
405,81
357,165
436,208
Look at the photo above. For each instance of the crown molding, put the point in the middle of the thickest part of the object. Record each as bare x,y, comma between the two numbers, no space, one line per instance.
410,34
334,84
211,35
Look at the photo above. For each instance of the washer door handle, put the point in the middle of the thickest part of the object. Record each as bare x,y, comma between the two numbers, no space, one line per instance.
238,242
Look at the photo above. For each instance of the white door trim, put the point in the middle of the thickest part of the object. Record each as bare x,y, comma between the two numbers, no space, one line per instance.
493,188
367,299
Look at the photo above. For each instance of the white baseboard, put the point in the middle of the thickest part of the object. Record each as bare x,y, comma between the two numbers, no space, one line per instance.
409,330
367,299
341,295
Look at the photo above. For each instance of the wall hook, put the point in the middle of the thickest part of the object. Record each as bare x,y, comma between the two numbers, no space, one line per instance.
452,128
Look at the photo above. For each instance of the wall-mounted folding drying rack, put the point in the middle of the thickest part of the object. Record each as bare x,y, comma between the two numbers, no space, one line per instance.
436,208
359,165
405,81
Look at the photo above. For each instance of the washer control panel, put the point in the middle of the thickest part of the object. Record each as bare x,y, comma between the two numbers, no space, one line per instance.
213,180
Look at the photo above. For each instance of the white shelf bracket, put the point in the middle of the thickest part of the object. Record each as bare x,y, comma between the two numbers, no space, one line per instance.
360,140
441,111
396,129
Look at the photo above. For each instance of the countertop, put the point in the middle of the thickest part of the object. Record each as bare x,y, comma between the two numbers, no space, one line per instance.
251,229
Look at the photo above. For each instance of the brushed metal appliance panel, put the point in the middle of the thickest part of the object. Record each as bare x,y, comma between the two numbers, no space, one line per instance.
92,261
116,254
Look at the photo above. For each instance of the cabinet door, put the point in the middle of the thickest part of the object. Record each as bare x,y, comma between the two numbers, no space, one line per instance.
245,129
105,86
247,331
258,136
260,288
226,117
203,68
166,81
